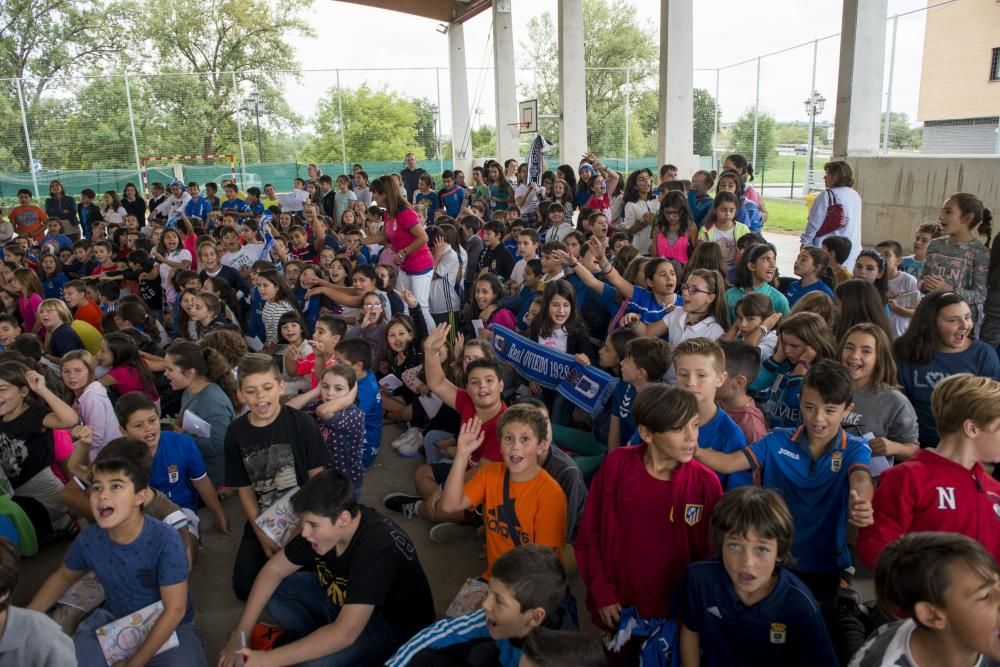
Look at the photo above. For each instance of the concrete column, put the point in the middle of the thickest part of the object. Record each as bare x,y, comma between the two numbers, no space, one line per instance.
572,83
461,138
508,145
859,82
675,137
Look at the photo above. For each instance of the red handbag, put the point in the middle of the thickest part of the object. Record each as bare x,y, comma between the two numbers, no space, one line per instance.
834,219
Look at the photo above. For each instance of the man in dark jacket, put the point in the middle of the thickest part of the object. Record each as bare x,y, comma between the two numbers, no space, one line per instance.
411,176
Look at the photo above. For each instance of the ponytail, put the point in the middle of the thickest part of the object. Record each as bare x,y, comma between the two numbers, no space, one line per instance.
206,363
982,218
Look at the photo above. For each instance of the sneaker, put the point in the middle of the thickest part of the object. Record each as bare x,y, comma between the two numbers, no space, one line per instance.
446,533
403,503
412,446
408,435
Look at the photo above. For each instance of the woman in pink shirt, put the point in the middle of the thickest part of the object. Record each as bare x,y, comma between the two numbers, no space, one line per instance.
407,238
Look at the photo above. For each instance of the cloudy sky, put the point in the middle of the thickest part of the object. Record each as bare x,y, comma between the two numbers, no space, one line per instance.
374,45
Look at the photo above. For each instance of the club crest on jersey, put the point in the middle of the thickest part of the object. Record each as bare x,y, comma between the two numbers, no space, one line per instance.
996,510
173,474
835,461
692,514
779,633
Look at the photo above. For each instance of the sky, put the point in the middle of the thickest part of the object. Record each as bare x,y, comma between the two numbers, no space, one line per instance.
375,45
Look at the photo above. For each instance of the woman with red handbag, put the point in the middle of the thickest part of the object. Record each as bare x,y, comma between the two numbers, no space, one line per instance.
837,211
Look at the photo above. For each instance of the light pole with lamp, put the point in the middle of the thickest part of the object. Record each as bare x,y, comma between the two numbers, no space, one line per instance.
814,107
256,107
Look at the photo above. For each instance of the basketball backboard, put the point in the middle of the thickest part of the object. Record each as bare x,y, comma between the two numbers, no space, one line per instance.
527,116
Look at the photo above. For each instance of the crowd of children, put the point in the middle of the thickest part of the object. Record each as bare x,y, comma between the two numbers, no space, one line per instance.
765,435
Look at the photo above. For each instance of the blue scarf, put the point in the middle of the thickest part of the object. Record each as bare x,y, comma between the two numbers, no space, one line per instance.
586,386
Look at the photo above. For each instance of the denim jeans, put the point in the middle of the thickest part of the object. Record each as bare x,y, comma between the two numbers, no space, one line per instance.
190,652
431,452
300,606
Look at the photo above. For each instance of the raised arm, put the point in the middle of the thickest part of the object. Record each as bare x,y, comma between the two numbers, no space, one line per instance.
62,415
723,463
433,371
470,438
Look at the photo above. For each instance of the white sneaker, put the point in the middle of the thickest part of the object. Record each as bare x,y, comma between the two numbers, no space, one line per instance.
404,437
412,446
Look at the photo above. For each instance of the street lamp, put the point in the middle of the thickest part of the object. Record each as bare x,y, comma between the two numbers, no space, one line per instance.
257,108
814,107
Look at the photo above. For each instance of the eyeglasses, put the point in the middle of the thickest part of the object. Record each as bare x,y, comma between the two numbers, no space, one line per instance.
691,288
372,306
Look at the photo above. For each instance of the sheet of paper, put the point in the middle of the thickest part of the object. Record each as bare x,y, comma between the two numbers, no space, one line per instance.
390,382
122,638
291,202
195,425
477,326
879,463
908,300
432,404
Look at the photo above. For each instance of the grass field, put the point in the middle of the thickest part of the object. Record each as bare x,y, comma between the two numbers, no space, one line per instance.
784,215
779,169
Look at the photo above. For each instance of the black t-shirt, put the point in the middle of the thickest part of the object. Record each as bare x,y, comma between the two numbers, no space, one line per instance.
150,290
276,457
379,567
25,445
64,339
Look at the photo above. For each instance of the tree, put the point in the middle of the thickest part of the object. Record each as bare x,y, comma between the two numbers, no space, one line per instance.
426,125
706,113
792,133
901,135
742,138
217,54
484,143
42,41
612,35
378,125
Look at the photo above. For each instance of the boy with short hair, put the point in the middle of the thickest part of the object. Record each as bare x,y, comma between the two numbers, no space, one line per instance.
89,214
527,248
234,204
137,560
552,267
742,366
27,217
452,194
269,451
647,512
481,399
211,194
357,353
744,607
914,264
104,254
839,248
899,284
521,502
700,367
945,586
178,467
646,361
109,293
27,637
426,196
75,295
495,259
526,591
199,207
83,260
945,488
301,249
368,595
821,471
10,328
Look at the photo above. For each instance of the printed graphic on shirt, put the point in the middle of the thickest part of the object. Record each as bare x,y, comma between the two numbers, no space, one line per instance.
692,514
950,268
13,452
779,633
272,470
335,587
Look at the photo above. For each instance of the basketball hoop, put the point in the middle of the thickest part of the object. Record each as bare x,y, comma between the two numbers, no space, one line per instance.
517,129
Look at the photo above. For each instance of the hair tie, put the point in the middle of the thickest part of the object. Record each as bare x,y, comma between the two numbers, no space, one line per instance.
876,255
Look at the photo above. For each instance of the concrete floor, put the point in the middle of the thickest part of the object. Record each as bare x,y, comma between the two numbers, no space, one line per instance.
217,610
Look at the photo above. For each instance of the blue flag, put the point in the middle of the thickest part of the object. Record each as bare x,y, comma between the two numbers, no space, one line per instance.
586,386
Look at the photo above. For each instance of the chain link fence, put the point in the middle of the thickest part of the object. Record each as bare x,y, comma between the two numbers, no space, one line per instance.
777,109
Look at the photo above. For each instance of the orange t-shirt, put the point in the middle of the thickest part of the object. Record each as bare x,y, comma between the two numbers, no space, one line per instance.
29,221
539,509
90,313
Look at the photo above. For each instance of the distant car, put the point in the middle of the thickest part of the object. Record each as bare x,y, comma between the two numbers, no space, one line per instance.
802,149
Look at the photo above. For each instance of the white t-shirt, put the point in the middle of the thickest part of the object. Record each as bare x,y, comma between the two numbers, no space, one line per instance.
179,255
244,257
726,241
634,212
557,341
517,273
903,283
678,331
531,198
